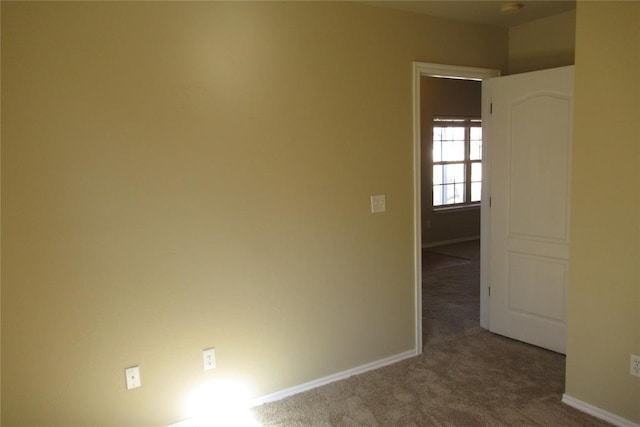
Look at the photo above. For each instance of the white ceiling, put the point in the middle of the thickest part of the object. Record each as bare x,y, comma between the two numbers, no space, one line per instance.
480,11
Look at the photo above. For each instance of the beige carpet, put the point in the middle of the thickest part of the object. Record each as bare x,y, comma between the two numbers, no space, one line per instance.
436,260
451,294
466,376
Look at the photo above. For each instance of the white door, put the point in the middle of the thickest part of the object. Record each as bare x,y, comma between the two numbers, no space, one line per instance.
530,161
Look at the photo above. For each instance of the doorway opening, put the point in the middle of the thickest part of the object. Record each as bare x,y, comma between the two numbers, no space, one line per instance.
445,200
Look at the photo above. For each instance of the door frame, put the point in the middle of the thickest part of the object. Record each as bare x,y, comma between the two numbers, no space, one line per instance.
421,69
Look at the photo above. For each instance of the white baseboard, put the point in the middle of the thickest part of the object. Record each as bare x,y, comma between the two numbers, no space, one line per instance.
332,378
597,412
448,242
273,397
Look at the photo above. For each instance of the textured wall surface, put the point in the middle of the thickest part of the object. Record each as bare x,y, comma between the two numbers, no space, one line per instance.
181,175
543,43
604,294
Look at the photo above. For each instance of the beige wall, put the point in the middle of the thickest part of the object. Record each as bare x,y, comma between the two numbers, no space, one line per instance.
543,43
0,221
604,294
179,175
445,97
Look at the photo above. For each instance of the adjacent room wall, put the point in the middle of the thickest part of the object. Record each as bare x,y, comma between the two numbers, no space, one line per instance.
604,293
0,220
181,175
445,97
543,43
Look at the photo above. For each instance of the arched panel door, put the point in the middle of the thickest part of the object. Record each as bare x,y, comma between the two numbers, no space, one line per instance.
531,133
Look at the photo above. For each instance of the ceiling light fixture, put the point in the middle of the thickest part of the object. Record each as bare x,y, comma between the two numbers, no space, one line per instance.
510,8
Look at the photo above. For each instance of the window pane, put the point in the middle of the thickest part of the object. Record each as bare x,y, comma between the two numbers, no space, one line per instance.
476,172
475,150
476,133
448,194
437,195
452,133
453,173
453,193
476,189
458,133
459,193
437,151
437,174
452,151
475,145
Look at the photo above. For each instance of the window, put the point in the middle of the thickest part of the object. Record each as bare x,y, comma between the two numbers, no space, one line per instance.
457,161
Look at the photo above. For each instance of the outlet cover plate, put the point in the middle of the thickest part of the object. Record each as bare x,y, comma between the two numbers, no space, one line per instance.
635,365
209,358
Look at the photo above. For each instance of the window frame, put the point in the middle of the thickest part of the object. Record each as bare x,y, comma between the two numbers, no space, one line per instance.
467,122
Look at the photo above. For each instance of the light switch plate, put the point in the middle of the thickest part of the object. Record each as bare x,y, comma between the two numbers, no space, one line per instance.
132,375
378,203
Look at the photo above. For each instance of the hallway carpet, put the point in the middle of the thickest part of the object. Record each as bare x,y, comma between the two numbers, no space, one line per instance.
451,295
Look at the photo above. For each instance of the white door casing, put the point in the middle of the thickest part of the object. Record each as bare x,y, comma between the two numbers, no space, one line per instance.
530,127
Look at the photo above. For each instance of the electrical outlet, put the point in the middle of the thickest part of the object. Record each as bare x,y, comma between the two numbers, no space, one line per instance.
635,365
132,375
209,358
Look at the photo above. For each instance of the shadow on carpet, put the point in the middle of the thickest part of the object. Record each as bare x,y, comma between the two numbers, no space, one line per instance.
434,261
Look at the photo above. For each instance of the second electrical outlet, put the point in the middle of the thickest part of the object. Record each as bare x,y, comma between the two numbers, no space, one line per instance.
209,358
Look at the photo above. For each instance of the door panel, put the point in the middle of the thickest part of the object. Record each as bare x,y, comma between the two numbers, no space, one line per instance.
539,185
530,194
536,286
